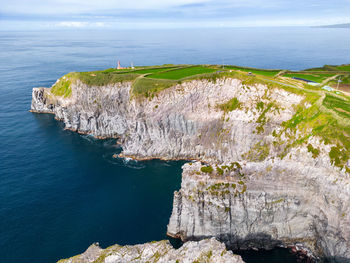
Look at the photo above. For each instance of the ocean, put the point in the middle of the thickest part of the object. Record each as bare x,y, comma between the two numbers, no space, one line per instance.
61,191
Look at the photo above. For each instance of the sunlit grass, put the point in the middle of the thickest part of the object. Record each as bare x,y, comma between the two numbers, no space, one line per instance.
148,87
267,73
181,73
311,77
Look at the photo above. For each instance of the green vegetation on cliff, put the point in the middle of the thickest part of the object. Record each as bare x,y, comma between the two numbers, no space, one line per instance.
62,87
323,114
102,78
152,79
146,80
207,169
327,117
338,104
231,105
148,87
94,78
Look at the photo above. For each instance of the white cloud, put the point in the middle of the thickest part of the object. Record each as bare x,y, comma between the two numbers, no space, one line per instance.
63,7
173,13
83,6
79,24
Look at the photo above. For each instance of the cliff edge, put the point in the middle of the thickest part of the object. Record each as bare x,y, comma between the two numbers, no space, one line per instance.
276,154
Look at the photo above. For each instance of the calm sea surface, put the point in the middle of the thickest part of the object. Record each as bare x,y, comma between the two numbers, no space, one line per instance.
60,191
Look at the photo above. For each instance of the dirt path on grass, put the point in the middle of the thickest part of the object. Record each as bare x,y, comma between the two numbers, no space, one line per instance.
328,80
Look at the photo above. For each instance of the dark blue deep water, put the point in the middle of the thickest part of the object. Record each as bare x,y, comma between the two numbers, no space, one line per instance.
60,191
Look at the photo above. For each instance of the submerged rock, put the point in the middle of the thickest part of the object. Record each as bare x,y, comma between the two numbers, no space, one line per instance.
208,250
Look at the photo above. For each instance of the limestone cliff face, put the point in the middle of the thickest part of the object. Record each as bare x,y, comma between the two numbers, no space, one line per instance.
208,250
179,123
286,197
266,204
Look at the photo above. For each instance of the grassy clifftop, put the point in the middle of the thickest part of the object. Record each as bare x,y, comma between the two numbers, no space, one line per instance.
149,80
322,113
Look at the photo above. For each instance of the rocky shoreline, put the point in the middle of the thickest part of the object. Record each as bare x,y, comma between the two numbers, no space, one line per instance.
251,193
208,250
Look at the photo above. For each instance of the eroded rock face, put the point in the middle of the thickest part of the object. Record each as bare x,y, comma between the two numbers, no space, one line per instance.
178,123
264,205
208,250
285,197
41,101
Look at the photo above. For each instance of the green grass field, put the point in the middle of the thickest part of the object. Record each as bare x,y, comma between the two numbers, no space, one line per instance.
341,106
345,67
181,73
152,70
312,77
267,73
345,79
113,70
139,70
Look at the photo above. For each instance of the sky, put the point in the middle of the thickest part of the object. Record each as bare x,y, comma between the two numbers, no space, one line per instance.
126,14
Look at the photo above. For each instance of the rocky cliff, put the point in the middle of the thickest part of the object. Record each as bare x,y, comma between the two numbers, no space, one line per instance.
208,250
263,205
276,176
179,123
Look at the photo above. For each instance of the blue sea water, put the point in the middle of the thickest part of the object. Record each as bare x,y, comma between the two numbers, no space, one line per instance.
60,191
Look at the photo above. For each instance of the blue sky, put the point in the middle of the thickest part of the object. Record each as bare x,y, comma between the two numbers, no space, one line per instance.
117,14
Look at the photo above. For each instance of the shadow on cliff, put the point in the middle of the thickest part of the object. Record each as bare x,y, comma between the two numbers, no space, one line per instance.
262,241
251,241
260,247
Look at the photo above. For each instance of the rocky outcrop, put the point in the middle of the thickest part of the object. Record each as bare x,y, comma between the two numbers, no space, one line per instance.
263,205
178,123
272,191
42,102
208,250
